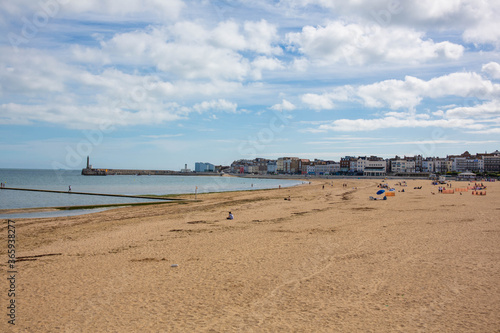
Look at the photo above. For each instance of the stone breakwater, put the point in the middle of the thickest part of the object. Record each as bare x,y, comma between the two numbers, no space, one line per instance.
110,172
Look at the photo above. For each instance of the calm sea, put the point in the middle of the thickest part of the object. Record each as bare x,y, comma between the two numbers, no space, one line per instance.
60,180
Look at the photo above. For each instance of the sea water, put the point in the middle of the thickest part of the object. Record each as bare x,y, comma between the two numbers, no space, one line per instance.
60,180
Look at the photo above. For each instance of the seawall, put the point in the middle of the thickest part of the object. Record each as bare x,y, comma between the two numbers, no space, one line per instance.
121,172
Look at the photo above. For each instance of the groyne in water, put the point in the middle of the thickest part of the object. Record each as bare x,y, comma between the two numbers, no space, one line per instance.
89,193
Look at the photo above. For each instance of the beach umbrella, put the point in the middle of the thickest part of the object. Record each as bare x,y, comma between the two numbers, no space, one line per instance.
380,192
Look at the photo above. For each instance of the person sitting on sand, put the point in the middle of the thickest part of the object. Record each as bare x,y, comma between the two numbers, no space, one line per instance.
230,216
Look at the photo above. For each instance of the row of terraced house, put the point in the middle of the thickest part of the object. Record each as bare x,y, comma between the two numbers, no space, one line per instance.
371,165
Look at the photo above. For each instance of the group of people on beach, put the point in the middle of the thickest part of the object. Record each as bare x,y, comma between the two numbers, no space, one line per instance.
2,185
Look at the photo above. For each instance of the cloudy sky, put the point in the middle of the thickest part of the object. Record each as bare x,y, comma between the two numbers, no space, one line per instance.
156,84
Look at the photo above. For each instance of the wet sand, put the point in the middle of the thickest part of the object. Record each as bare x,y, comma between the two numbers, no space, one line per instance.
329,260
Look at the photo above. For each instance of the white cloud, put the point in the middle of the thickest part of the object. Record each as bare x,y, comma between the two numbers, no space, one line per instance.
479,21
393,93
32,71
318,102
492,69
409,93
357,44
184,51
354,125
487,131
227,35
283,106
485,110
264,63
260,37
300,64
325,101
95,115
191,51
216,106
89,116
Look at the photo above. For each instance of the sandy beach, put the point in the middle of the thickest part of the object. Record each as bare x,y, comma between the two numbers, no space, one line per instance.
328,260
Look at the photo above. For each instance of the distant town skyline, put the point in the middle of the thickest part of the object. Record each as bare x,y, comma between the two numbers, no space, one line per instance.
158,84
366,165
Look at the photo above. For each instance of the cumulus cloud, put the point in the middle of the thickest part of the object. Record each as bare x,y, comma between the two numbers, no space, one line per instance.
265,63
227,34
216,106
325,101
190,50
492,69
357,44
409,93
479,21
484,110
283,106
318,102
110,95
200,64
261,36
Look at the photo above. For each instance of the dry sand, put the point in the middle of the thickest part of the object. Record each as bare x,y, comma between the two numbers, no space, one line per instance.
329,260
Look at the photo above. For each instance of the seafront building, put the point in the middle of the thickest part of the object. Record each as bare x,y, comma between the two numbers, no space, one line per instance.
204,167
491,162
372,166
405,165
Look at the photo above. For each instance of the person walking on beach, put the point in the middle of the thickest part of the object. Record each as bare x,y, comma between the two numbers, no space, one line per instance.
69,188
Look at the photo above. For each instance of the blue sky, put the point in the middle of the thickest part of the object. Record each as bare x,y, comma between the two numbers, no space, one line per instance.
156,84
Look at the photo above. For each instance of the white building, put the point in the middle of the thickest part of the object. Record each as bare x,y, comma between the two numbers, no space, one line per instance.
373,162
271,167
428,165
279,165
442,165
353,164
402,166
375,168
463,164
327,169
360,164
492,163
251,169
